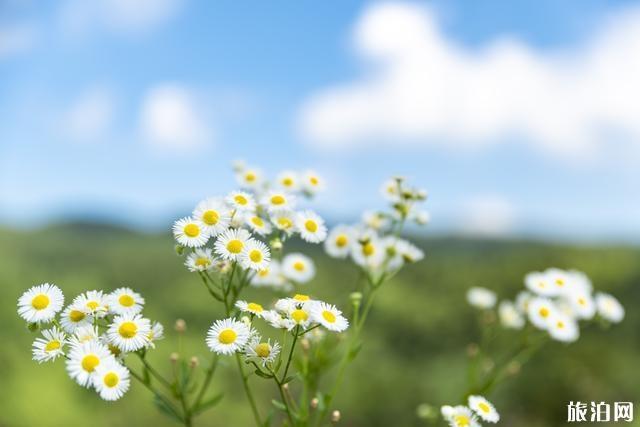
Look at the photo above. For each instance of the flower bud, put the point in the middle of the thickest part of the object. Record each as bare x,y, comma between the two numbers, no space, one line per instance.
180,326
335,416
179,249
246,320
194,362
173,357
305,344
472,350
425,411
356,298
285,387
314,403
276,244
33,327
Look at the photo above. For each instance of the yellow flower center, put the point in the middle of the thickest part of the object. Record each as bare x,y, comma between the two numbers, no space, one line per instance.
203,262
484,407
299,315
211,217
301,297
241,200
250,177
560,325
342,241
263,349
544,312
285,223
329,316
368,249
128,330
40,302
542,285
92,305
252,306
314,180
287,182
257,221
264,272
255,255
462,421
89,362
126,300
227,336
311,226
582,301
235,246
191,230
76,316
298,265
560,282
52,345
278,200
111,379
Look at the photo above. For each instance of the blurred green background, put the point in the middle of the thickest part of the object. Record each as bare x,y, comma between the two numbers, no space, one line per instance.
414,348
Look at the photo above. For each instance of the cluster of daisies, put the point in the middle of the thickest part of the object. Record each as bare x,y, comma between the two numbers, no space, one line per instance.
298,314
555,301
246,225
467,416
93,334
373,244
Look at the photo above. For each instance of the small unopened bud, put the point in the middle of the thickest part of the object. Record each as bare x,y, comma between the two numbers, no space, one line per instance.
472,350
276,244
33,327
356,298
285,387
194,362
314,403
173,357
180,326
335,416
426,412
179,249
246,320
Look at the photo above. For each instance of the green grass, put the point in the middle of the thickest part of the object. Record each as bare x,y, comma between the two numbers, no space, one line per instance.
414,347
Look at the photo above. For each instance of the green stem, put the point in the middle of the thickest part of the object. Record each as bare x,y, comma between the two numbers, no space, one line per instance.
247,390
207,381
159,396
293,346
155,373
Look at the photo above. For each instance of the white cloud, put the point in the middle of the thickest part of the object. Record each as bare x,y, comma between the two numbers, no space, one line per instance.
118,16
91,116
16,39
172,118
487,215
427,89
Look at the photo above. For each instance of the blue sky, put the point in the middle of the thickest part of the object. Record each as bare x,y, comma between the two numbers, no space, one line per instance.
134,112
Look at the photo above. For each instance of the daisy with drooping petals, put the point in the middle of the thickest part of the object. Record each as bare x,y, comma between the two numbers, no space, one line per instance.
231,243
155,334
338,242
288,180
74,317
540,311
40,304
311,227
200,260
129,332
84,359
329,316
285,305
277,321
93,303
255,255
264,351
609,308
213,215
241,201
278,201
50,346
298,267
484,409
461,416
125,301
312,182
409,252
563,328
84,334
481,298
190,232
509,315
258,224
250,307
228,336
111,380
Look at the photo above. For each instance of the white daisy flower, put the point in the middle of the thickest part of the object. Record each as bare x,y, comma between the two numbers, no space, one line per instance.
461,416
582,304
93,303
408,251
190,232
609,308
269,276
155,334
563,328
228,336
241,201
276,320
311,227
312,183
285,305
200,260
231,243
213,215
250,307
264,351
298,268
339,241
73,317
446,411
84,334
284,221
125,301
540,311
509,315
561,280
540,284
374,220
111,380
391,189
368,251
328,316
484,409
255,255
40,303
84,359
129,332
288,180
258,225
278,201
421,217
250,178
50,346
301,316
481,298
522,301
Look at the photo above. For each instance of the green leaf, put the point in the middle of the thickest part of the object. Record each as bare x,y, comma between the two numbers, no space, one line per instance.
209,403
279,405
259,373
166,409
289,379
354,351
